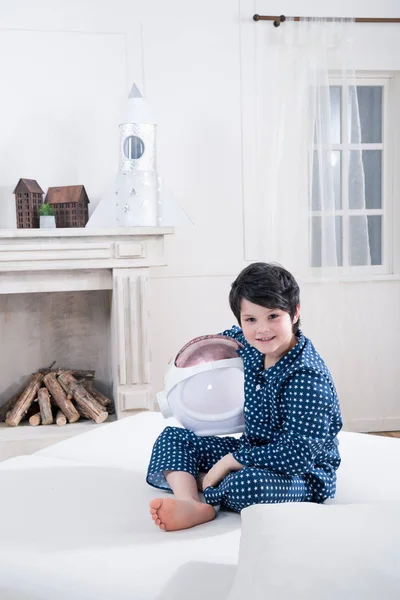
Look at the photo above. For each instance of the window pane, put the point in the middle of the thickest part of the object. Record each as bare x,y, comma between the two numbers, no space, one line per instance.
332,170
367,166
372,160
336,113
367,130
320,239
375,238
359,240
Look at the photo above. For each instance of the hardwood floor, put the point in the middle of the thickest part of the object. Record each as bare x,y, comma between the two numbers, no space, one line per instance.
394,434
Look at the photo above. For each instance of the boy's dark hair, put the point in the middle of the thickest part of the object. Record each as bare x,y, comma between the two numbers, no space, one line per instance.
268,285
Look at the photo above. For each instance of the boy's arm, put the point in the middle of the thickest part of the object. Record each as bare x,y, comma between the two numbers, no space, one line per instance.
306,403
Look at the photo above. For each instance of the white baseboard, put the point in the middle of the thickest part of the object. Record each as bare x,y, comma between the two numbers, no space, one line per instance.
364,425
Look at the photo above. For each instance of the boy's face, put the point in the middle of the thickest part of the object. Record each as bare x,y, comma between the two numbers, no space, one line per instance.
269,330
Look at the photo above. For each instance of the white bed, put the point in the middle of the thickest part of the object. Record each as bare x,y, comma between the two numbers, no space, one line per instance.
75,521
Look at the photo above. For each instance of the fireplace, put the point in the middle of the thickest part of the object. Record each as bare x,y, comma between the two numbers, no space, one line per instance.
80,296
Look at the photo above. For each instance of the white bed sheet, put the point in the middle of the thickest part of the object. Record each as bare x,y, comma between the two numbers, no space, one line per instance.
369,471
77,524
78,527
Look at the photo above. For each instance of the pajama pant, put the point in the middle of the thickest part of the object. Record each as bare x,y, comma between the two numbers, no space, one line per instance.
178,449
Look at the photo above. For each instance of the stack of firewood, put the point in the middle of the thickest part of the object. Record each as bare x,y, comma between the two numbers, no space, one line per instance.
57,396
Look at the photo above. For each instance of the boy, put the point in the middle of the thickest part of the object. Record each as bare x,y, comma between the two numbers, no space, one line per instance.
289,451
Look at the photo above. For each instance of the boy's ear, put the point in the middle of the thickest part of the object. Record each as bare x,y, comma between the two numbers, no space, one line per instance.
296,314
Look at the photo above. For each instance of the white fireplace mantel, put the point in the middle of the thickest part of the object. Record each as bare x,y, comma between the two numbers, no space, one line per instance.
55,260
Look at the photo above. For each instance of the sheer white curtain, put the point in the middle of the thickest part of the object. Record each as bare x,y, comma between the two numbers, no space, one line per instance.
305,181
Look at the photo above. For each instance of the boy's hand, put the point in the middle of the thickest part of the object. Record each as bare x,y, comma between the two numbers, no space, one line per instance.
220,470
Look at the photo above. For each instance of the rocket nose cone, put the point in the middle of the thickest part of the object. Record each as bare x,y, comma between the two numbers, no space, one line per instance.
136,109
135,92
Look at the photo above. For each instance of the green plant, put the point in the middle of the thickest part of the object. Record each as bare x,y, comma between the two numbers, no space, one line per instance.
46,210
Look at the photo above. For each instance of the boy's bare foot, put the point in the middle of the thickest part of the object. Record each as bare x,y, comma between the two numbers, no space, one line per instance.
170,515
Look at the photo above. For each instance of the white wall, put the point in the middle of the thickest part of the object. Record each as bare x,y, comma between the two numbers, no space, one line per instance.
71,64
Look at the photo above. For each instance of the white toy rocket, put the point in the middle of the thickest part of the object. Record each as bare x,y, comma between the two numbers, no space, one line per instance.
137,181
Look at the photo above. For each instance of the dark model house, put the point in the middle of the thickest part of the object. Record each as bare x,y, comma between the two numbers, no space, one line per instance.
28,199
70,205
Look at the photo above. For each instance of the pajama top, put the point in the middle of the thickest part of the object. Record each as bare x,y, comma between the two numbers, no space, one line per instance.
292,415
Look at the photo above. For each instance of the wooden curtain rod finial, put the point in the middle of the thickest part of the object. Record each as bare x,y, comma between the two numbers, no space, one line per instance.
276,20
281,19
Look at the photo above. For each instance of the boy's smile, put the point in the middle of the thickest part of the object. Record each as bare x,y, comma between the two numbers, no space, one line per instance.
269,330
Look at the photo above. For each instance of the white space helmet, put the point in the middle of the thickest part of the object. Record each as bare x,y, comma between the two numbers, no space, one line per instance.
204,386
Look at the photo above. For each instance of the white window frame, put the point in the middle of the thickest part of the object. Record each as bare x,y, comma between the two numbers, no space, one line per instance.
388,82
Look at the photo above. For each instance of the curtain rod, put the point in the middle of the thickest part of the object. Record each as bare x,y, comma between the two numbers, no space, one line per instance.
281,19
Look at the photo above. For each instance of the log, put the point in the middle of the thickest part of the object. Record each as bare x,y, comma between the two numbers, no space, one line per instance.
83,412
35,419
31,411
7,406
101,399
60,398
61,419
45,406
78,373
88,384
24,401
86,403
88,414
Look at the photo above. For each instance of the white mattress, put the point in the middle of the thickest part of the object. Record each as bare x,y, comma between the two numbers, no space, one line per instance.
369,471
77,525
75,522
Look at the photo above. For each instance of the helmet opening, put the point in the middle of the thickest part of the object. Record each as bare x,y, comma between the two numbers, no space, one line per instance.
205,349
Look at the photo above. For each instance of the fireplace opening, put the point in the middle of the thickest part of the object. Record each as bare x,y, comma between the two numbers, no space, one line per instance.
61,330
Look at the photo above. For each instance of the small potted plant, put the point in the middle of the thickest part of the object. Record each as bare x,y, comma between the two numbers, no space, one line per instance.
47,218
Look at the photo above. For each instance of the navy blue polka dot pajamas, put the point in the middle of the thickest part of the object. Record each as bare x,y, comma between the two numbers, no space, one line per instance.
289,449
